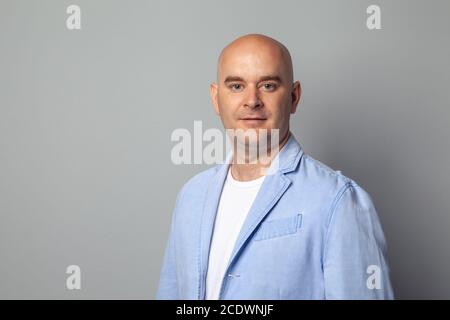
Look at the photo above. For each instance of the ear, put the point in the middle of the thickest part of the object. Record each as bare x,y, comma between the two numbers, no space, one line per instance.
213,91
295,94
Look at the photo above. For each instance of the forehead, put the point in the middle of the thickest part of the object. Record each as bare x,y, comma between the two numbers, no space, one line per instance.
251,61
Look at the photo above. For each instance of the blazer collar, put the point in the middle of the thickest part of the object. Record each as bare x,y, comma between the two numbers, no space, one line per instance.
286,160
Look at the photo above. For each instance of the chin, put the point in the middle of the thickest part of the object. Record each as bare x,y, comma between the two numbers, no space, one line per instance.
249,135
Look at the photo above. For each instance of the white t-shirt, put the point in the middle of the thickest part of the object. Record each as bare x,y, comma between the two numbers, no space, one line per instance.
235,201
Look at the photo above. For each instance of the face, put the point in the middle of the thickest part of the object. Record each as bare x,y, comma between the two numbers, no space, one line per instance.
255,89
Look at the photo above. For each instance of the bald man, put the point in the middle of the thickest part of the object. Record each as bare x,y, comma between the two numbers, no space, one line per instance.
288,227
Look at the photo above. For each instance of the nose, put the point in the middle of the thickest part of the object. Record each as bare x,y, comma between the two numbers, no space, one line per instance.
252,99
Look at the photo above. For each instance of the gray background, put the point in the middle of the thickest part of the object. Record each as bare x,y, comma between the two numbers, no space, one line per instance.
86,118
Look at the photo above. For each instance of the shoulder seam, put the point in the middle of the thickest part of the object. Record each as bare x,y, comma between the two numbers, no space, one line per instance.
324,168
348,185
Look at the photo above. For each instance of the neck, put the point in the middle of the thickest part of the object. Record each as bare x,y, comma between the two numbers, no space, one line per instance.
252,171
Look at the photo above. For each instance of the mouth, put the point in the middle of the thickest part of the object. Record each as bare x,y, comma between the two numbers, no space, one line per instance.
251,118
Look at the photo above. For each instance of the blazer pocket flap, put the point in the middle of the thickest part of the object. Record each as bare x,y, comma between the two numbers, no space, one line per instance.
278,227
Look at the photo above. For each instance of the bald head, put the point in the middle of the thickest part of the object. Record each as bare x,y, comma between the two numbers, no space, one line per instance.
253,45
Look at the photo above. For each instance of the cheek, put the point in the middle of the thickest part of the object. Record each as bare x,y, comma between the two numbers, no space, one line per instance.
228,104
230,100
278,106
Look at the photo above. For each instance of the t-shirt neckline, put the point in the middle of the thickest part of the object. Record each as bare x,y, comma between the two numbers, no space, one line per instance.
244,184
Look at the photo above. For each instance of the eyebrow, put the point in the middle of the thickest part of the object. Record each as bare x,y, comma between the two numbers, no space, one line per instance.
264,78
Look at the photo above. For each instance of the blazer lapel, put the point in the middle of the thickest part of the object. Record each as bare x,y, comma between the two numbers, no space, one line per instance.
212,199
272,189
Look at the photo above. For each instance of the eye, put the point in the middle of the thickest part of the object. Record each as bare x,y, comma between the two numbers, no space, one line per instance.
269,86
236,87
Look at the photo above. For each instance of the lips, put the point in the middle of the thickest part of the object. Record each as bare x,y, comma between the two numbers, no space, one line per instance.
253,118
253,121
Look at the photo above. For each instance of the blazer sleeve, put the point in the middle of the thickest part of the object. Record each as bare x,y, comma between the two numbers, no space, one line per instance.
354,258
168,283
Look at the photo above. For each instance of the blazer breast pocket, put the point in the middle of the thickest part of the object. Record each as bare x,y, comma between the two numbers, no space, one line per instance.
278,227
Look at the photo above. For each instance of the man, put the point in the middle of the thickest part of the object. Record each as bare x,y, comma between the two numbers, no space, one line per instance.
302,231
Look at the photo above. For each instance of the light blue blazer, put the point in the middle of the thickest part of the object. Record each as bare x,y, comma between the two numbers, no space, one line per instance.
312,233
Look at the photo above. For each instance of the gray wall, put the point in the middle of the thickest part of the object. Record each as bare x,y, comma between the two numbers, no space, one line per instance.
86,118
